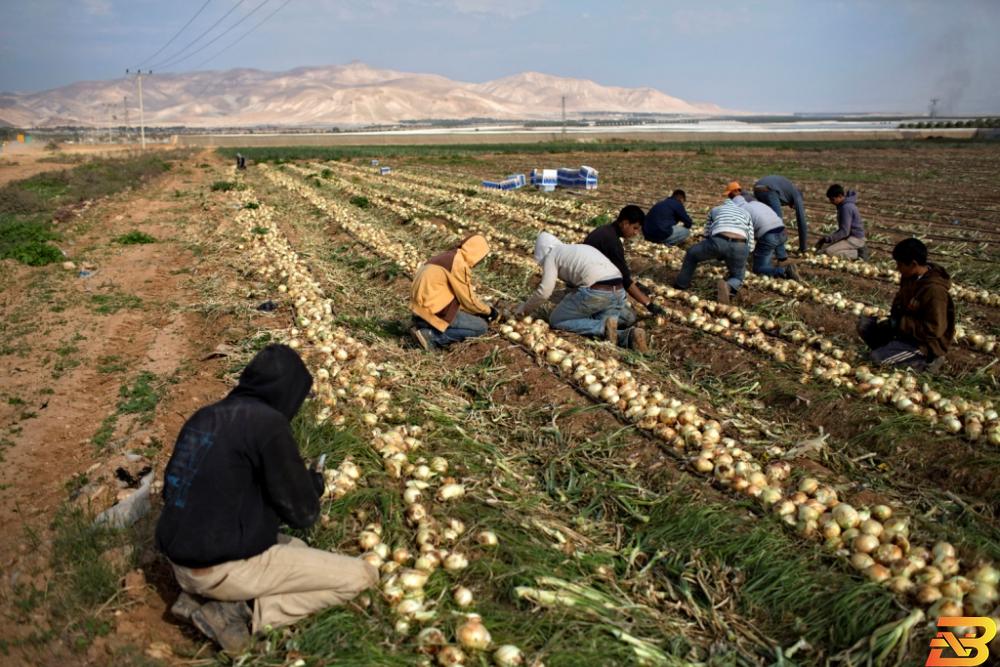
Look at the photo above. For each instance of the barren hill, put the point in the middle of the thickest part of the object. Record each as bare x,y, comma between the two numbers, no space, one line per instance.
353,94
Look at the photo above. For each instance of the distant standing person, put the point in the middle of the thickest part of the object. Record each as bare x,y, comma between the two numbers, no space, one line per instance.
608,239
445,307
661,224
777,191
729,237
595,304
849,239
921,322
769,232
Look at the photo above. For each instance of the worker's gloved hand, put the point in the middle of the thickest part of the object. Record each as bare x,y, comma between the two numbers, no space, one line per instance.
655,309
494,313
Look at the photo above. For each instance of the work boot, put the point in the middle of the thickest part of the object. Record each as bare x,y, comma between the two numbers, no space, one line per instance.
611,330
723,292
864,254
788,261
423,338
792,272
185,606
225,623
637,341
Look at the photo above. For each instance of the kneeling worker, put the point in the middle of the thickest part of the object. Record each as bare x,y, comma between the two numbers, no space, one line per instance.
235,475
596,304
444,305
921,322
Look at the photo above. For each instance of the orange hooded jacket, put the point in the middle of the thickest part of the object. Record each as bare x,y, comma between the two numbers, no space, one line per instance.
443,285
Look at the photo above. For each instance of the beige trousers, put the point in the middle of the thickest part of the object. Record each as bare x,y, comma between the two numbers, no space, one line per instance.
287,582
848,248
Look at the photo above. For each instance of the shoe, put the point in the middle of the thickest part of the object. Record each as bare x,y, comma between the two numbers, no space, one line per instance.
638,341
611,330
423,338
723,292
185,606
792,272
225,623
864,254
788,261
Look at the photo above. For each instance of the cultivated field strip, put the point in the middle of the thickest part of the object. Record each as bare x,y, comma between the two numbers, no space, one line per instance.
972,419
886,557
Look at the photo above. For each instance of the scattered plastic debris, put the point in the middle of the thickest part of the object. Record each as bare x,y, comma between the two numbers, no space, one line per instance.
510,182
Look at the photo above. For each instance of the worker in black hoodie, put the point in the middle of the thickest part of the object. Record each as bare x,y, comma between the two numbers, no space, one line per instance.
234,477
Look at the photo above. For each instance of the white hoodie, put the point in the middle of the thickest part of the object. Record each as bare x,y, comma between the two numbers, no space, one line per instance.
575,264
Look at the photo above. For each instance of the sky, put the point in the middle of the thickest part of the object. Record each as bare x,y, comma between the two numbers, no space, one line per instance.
748,55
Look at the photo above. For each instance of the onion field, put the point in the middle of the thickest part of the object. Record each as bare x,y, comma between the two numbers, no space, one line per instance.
752,491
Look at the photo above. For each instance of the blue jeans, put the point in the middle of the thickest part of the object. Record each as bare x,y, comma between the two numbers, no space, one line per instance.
772,199
733,253
465,325
583,311
677,236
771,243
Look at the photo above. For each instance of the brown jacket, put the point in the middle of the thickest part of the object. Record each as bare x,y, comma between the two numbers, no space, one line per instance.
443,285
925,310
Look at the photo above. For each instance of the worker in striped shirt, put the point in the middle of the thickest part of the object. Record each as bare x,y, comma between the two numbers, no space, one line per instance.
729,237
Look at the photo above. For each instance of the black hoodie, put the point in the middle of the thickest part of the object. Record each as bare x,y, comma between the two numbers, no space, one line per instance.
236,472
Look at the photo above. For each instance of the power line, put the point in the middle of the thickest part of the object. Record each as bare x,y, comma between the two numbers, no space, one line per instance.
177,34
217,37
240,38
193,41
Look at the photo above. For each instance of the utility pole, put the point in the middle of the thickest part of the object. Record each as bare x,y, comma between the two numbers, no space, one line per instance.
564,115
142,114
111,121
933,109
125,106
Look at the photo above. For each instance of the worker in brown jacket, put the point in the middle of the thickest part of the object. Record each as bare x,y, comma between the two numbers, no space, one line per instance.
445,307
921,323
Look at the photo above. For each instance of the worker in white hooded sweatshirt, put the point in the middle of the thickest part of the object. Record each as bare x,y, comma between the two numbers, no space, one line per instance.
596,304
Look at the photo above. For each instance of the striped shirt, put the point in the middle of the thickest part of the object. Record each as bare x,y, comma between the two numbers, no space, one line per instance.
730,218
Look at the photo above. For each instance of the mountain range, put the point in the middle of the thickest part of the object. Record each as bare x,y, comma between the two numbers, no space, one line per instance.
338,95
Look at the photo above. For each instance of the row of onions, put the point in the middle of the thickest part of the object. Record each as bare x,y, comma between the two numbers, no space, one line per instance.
872,269
874,540
347,382
817,356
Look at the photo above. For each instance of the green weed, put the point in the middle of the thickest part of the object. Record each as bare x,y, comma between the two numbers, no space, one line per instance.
134,238
108,304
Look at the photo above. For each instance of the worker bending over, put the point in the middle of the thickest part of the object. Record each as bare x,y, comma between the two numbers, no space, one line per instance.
608,239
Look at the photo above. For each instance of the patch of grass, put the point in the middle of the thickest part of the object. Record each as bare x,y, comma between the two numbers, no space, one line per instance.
134,237
109,364
260,231
140,398
251,205
105,431
27,241
360,202
108,304
226,186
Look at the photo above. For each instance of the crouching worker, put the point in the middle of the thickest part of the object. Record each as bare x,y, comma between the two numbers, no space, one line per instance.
235,475
921,323
729,236
596,304
849,239
444,305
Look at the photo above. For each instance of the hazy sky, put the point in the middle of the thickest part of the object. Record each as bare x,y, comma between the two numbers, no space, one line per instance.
762,55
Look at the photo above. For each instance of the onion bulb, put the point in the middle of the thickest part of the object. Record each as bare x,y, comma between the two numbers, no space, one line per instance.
508,655
450,656
487,538
462,596
473,634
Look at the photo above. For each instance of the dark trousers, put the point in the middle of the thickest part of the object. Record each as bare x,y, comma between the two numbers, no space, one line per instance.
888,347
